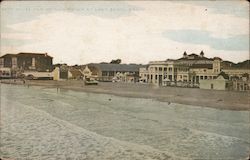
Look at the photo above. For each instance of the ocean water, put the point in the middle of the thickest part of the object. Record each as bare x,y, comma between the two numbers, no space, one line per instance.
43,123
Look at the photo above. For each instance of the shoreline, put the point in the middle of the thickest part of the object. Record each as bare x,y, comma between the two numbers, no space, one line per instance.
224,100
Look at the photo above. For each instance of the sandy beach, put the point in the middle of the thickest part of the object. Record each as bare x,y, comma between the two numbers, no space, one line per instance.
229,100
43,122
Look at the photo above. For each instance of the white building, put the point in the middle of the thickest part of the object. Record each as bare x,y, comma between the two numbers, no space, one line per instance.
220,83
189,69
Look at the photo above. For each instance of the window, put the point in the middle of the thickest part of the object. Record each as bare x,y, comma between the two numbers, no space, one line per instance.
212,86
201,77
156,77
1,62
111,73
160,68
104,73
170,77
165,68
156,68
170,69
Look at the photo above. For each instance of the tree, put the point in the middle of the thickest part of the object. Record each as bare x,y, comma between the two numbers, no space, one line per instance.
117,61
202,53
185,54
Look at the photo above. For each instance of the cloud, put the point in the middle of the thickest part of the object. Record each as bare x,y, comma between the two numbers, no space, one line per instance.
28,10
22,36
238,42
164,15
135,37
235,8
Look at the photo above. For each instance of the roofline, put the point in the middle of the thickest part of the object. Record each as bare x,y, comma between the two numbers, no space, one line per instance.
8,54
27,53
45,53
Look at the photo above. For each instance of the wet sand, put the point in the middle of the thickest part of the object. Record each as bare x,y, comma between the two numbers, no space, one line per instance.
230,100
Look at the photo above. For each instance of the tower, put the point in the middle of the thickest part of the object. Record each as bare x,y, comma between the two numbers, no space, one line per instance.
217,65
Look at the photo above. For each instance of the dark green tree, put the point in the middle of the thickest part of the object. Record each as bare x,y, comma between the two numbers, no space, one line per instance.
117,61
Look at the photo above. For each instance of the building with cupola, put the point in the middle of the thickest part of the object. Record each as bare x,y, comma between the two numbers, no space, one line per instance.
190,68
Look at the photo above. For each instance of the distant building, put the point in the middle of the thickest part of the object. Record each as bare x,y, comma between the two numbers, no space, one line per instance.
144,76
241,85
238,74
75,74
193,68
236,70
86,73
220,83
158,71
107,71
61,72
27,61
188,69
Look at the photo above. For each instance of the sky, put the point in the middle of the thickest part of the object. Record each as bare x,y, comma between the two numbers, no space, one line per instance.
80,32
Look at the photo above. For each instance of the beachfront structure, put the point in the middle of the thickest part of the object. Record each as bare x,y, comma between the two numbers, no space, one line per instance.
75,74
107,71
125,77
23,61
159,71
220,83
241,84
99,71
143,73
235,72
238,73
188,69
193,68
86,73
64,72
